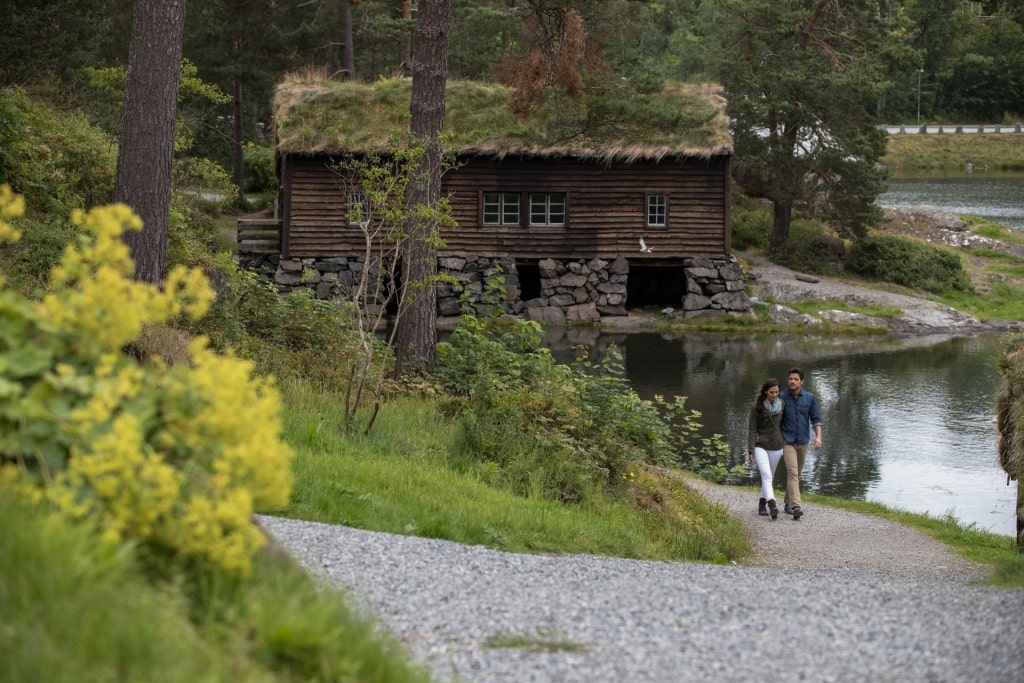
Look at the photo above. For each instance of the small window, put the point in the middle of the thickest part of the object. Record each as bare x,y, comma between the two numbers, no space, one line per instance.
358,208
501,208
657,210
547,208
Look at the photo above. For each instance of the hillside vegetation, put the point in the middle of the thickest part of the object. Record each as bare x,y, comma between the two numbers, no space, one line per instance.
951,152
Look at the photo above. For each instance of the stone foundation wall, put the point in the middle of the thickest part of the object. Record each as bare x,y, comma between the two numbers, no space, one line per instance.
571,290
714,287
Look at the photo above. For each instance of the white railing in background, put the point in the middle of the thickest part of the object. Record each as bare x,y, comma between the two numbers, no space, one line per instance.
954,128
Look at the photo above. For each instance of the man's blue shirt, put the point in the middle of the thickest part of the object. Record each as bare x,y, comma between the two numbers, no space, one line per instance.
799,417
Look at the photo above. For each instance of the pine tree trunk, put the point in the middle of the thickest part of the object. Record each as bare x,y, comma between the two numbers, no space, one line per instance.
348,56
416,332
145,155
237,156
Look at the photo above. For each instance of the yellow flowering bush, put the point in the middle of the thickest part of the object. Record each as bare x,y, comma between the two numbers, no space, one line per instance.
176,457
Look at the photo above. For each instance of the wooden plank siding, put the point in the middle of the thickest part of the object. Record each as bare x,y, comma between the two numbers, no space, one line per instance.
606,208
258,235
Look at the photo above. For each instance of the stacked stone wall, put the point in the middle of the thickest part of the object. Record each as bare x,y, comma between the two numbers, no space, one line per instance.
569,290
714,287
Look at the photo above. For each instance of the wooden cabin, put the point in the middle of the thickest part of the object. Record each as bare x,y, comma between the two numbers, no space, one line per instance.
588,217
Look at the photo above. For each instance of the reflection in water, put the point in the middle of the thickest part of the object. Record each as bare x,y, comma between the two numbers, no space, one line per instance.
907,424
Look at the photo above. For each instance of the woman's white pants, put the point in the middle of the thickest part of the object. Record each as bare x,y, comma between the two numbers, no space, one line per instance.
767,462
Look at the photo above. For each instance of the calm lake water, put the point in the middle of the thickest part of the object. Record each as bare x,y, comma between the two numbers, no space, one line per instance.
909,425
997,197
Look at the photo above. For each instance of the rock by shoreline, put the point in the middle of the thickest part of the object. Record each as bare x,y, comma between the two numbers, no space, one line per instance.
918,316
781,285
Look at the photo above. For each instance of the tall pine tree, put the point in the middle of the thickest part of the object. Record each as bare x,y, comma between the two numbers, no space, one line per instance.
145,155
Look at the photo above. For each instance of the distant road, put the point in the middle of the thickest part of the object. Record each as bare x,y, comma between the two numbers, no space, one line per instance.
953,128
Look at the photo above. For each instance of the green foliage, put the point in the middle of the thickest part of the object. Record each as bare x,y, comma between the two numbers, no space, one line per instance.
77,608
293,336
57,161
300,629
805,250
751,224
62,163
902,261
802,98
554,431
260,165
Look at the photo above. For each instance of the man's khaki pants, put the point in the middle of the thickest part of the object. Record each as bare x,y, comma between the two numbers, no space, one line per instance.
793,455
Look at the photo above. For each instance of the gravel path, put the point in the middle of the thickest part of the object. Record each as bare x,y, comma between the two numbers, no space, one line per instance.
836,596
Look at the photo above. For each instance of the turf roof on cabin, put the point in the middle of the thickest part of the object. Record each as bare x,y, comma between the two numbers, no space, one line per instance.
318,116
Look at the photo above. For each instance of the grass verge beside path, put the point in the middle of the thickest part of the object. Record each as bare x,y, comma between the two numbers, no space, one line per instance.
405,477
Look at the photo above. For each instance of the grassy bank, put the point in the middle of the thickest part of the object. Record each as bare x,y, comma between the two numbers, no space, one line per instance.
408,477
950,152
78,609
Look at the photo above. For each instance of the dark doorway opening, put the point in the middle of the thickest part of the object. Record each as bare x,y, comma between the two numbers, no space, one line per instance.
655,286
529,280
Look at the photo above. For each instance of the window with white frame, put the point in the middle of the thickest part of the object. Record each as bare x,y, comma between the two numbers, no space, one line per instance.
501,208
657,210
358,207
547,208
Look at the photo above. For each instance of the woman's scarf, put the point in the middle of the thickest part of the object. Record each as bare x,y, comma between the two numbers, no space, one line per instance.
773,407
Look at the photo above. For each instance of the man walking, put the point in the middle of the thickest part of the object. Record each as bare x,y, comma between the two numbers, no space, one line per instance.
800,416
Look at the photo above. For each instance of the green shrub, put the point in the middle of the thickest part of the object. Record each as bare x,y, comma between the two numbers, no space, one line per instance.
260,169
175,457
751,224
552,430
805,250
902,261
58,162
293,336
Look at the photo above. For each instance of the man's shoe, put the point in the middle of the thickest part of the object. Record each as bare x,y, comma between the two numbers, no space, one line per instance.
773,509
761,509
788,510
797,513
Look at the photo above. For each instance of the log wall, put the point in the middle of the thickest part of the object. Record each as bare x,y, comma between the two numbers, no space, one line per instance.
606,209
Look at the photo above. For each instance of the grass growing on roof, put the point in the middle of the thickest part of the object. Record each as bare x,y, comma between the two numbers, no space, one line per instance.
321,116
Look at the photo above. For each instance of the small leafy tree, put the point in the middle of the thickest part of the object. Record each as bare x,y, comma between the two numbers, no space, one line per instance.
381,181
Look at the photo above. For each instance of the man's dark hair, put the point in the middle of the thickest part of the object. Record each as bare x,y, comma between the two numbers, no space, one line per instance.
796,371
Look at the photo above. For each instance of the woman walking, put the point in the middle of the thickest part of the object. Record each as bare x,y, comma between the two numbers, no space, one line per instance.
764,442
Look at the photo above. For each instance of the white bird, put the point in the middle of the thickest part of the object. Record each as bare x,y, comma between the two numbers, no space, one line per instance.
644,249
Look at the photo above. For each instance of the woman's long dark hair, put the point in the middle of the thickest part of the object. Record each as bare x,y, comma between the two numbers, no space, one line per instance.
763,394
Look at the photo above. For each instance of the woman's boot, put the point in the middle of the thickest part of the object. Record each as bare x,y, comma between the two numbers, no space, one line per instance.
773,509
761,507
